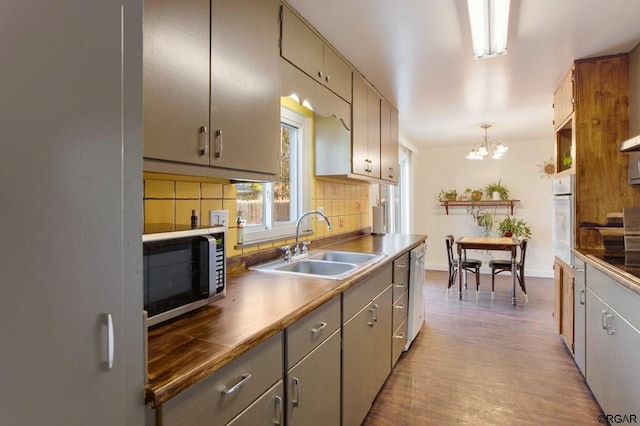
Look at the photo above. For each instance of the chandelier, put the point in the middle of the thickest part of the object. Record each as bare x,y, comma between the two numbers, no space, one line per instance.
479,152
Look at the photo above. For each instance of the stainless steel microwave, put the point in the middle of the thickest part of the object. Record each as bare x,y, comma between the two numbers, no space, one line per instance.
184,269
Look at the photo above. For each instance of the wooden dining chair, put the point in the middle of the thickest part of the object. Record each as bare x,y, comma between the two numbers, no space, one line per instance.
499,265
470,265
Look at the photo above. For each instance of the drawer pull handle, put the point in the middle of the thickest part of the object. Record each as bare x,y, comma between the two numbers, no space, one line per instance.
107,363
315,330
278,414
400,285
218,152
400,336
372,319
399,306
204,141
401,265
582,297
295,400
245,378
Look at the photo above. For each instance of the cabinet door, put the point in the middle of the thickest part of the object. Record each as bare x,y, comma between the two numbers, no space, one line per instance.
77,73
300,45
600,375
360,127
624,374
381,341
373,124
389,142
337,74
563,99
357,364
567,307
265,411
579,330
176,80
313,386
245,86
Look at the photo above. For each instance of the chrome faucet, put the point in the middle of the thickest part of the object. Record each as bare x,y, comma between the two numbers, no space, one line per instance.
296,249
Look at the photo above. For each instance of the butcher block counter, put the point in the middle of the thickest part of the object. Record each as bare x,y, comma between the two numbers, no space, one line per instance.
257,306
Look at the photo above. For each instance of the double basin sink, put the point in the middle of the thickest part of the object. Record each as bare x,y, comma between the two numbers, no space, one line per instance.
326,264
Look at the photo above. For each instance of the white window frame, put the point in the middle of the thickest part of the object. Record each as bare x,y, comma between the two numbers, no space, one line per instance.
300,183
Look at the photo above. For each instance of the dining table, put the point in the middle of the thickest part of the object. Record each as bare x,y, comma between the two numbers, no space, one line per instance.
509,244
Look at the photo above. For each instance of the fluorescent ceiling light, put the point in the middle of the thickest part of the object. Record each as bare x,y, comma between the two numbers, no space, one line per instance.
489,25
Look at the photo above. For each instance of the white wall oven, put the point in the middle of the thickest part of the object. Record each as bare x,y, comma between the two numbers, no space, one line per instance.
563,208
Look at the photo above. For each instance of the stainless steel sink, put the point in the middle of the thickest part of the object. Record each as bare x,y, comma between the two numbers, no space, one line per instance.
335,265
317,267
345,256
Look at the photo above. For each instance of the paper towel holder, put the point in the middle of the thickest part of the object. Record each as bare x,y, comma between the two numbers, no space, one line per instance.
377,220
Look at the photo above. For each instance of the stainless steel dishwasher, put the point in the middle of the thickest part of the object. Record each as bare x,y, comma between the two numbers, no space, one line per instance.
416,293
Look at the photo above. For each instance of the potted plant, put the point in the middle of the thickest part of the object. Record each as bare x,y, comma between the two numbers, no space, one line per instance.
512,226
482,217
476,194
497,191
449,195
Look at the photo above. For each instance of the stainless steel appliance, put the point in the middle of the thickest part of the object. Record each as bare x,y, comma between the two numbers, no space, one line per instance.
184,269
563,208
416,293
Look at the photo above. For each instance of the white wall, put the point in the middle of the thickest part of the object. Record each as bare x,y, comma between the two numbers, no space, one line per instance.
437,168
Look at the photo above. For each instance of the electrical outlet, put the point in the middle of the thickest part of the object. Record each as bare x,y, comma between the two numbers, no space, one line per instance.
320,218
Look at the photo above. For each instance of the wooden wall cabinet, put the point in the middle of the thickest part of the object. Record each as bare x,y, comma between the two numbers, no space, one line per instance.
563,99
599,122
302,47
200,104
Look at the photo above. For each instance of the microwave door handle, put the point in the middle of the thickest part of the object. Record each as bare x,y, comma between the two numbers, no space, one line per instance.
211,262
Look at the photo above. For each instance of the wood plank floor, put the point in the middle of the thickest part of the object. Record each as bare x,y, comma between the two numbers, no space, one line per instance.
486,363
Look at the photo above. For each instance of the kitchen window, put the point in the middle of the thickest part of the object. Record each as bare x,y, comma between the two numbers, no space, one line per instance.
270,209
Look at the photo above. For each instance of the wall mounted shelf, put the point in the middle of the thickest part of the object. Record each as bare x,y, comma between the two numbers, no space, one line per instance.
484,203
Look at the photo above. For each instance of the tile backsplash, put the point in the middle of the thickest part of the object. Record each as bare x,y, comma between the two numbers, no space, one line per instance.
171,198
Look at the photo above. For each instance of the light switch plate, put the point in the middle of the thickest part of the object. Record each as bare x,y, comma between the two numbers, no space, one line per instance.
219,218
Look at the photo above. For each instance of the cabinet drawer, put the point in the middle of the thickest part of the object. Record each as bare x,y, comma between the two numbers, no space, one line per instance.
313,329
616,295
267,410
356,297
399,341
400,275
400,309
205,403
579,269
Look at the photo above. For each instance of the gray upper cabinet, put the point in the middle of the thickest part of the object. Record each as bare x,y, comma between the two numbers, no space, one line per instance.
365,137
176,80
388,142
245,85
303,48
212,88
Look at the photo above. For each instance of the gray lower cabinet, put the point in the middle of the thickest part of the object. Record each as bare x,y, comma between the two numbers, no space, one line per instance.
313,367
612,343
313,386
267,410
579,312
366,352
220,397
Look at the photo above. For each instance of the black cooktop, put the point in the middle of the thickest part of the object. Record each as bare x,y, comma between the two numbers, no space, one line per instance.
628,262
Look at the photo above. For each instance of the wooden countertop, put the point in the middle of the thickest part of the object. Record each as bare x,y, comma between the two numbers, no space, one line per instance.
619,272
257,306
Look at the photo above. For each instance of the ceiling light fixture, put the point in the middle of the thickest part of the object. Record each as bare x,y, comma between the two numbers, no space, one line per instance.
480,151
489,24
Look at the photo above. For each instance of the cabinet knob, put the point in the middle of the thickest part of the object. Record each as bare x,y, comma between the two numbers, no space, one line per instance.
327,78
320,74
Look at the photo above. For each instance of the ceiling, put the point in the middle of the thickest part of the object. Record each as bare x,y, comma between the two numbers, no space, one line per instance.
418,54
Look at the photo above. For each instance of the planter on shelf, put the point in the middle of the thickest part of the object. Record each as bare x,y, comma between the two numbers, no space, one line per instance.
497,191
450,195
